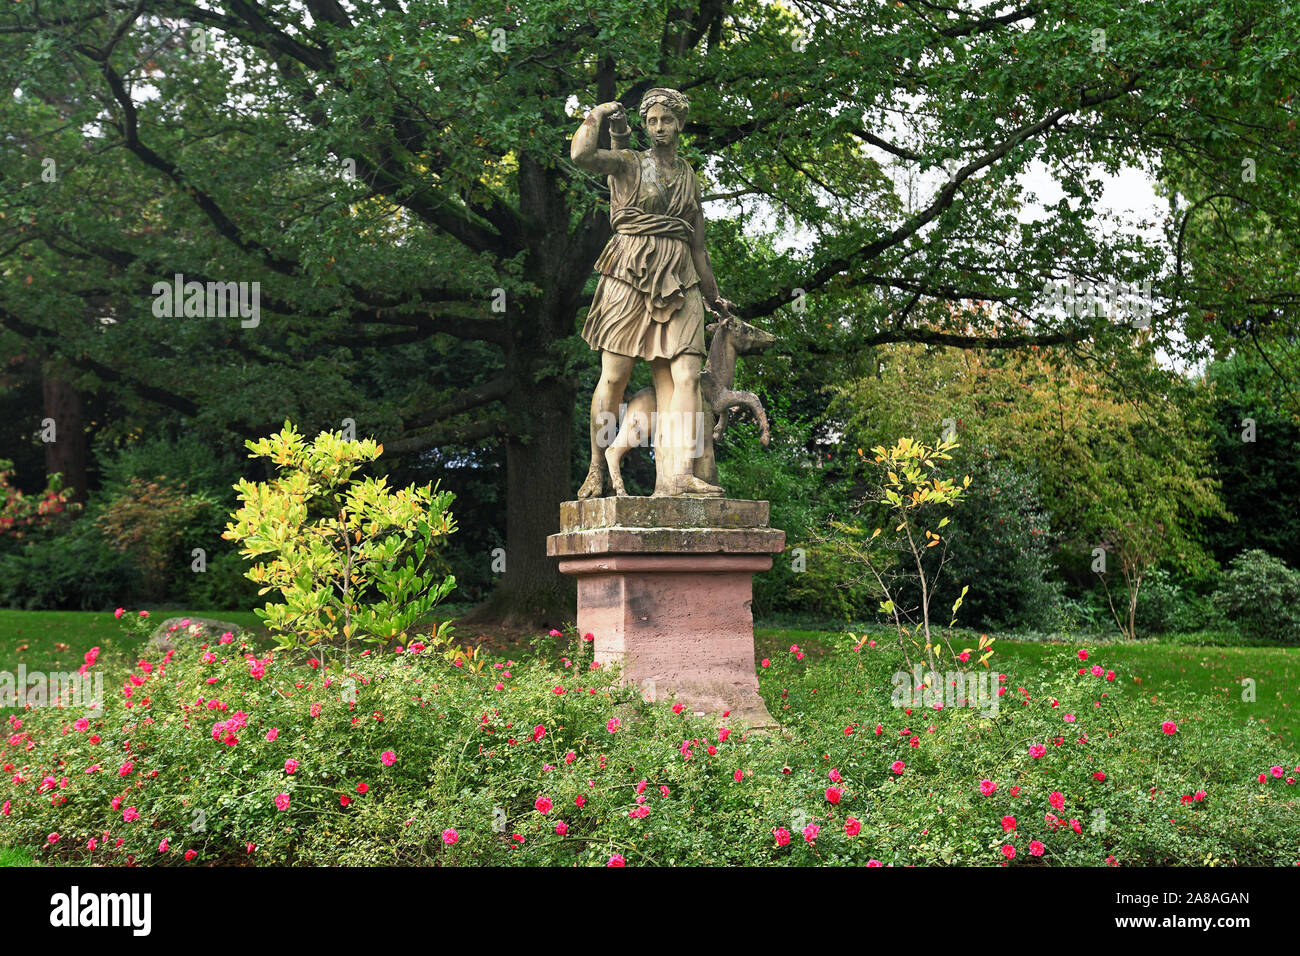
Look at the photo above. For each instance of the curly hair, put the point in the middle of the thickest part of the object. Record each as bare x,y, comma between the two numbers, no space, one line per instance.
663,96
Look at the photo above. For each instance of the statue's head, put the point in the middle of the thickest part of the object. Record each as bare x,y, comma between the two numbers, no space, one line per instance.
664,112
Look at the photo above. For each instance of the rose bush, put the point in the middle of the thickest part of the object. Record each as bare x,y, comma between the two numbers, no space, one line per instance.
230,753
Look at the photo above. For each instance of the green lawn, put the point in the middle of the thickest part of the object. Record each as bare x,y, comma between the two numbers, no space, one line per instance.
12,857
57,640
1154,666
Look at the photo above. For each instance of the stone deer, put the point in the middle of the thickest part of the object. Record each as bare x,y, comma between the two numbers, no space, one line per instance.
732,337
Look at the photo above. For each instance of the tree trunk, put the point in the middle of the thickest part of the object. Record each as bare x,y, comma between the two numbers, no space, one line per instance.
539,469
67,453
532,592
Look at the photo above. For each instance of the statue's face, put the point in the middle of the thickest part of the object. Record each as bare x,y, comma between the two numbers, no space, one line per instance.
661,125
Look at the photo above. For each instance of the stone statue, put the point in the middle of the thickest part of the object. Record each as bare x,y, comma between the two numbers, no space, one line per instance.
655,283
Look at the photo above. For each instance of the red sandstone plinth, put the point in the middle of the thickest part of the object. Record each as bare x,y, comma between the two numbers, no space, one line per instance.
665,585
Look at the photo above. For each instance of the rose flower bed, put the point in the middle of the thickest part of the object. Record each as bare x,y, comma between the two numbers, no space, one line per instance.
222,754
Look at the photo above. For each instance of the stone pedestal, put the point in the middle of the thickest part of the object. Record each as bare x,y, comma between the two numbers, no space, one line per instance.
665,586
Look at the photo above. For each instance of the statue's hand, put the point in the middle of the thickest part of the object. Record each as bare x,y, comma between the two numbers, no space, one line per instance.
613,111
722,307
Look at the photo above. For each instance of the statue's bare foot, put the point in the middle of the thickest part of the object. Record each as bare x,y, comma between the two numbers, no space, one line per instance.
688,485
594,486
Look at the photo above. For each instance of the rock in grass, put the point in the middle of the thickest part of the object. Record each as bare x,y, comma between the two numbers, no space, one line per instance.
191,632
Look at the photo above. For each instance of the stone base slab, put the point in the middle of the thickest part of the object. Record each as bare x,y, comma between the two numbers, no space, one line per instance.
684,511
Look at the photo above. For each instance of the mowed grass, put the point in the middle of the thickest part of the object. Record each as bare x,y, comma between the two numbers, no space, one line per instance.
14,857
49,641
1155,668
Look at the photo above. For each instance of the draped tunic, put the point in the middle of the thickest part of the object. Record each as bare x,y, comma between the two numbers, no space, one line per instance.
648,303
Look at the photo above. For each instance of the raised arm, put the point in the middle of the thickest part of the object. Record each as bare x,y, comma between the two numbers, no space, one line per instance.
583,149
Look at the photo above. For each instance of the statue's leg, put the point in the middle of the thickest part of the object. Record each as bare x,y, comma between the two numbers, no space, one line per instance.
615,370
685,418
661,371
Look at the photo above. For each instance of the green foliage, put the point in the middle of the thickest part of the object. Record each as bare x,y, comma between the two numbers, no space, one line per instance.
809,575
350,558
1174,604
1001,547
194,459
157,524
223,584
1129,473
76,570
389,210
135,537
1261,595
906,493
1254,424
506,752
